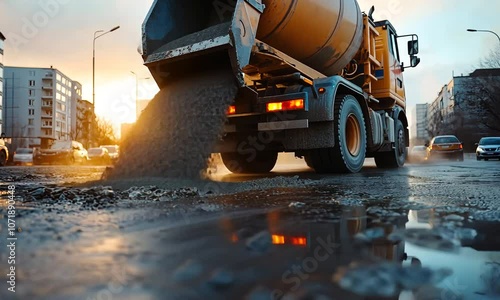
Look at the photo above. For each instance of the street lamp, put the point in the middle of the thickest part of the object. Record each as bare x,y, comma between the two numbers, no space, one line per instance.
96,36
137,91
483,30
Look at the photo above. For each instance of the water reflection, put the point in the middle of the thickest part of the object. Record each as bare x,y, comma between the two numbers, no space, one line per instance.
325,252
476,264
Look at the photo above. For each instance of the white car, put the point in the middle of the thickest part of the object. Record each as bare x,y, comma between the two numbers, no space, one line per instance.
488,148
23,156
113,150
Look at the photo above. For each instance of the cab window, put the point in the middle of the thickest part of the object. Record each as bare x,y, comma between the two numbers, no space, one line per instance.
393,44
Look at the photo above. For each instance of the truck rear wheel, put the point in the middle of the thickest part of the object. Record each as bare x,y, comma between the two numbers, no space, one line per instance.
3,158
397,157
263,162
348,155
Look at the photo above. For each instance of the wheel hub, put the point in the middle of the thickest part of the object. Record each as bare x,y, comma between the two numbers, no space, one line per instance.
353,135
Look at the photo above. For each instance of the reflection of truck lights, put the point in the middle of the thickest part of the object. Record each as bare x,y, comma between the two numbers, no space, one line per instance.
282,240
299,241
234,238
285,105
278,239
231,110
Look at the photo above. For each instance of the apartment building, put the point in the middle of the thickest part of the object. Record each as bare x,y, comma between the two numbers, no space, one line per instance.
466,107
40,105
418,127
2,40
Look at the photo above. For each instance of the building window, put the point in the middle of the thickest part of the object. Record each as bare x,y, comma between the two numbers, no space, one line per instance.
31,112
31,132
32,73
31,92
31,102
32,83
31,122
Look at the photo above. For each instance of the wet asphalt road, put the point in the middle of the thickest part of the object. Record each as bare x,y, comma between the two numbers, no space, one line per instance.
426,231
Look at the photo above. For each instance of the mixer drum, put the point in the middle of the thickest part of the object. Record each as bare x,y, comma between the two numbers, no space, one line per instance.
323,34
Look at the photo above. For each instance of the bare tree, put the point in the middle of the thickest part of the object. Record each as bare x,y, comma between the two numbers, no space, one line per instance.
104,133
492,61
482,91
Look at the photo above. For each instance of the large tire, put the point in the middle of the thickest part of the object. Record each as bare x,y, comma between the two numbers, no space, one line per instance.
3,158
397,157
348,154
263,162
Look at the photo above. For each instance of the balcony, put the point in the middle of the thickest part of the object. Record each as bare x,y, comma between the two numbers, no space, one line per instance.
47,115
47,125
47,87
47,104
48,96
46,135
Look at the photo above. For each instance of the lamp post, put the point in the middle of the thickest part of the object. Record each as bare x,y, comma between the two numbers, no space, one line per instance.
137,92
483,30
96,36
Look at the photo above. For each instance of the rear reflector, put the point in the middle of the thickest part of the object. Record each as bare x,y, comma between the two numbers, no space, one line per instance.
296,104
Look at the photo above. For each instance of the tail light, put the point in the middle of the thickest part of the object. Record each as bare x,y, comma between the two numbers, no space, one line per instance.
296,104
299,241
231,110
461,146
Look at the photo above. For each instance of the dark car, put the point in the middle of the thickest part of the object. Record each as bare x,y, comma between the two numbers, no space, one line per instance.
61,152
487,148
445,146
99,156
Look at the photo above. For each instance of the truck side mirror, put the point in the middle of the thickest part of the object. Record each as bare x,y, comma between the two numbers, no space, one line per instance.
476,144
414,61
413,47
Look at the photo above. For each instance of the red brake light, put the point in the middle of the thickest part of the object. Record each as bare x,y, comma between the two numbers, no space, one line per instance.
299,241
461,146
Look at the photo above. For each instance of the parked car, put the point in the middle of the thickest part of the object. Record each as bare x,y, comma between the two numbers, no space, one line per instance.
4,153
23,156
417,154
445,146
62,152
113,150
99,156
488,148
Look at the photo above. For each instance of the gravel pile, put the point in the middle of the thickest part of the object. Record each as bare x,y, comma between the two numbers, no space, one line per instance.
101,197
177,132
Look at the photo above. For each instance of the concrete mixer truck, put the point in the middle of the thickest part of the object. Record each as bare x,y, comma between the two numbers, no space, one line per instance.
317,78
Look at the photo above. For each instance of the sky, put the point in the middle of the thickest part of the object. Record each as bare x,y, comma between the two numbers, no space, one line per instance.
59,33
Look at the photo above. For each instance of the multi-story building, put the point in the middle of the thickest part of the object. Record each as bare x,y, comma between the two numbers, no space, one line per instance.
418,127
460,109
82,121
2,39
39,105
